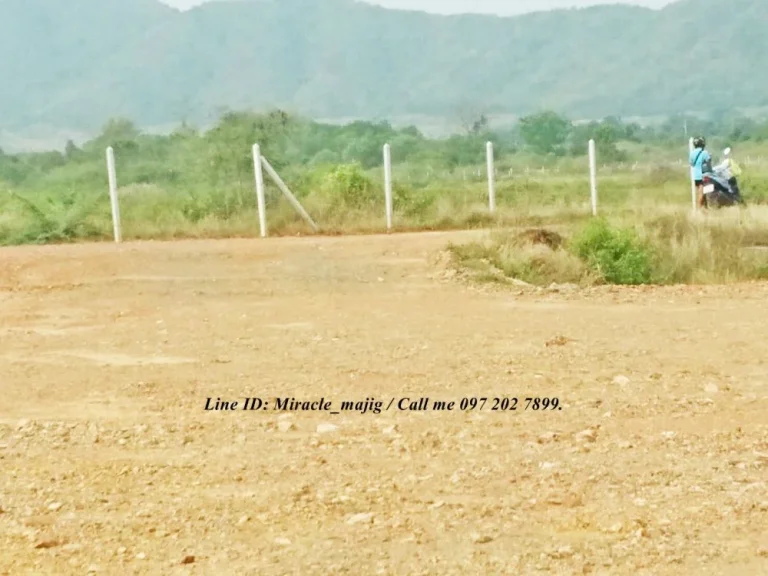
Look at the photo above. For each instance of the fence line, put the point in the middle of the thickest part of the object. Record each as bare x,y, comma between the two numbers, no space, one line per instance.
261,163
491,176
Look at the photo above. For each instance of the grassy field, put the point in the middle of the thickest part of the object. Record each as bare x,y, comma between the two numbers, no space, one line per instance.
672,247
343,199
183,186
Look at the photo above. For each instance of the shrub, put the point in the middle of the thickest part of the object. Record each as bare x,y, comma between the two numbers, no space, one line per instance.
615,254
347,184
412,203
671,248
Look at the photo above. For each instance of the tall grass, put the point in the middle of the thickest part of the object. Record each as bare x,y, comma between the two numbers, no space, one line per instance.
647,234
339,198
668,247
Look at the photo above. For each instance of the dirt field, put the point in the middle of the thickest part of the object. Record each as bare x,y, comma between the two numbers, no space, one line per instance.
657,462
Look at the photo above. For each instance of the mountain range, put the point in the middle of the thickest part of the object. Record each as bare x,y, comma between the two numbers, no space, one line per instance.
75,64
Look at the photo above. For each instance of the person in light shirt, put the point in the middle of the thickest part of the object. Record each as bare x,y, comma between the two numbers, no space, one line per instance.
730,169
729,164
701,161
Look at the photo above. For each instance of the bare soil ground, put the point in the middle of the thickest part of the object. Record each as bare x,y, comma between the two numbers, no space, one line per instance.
656,464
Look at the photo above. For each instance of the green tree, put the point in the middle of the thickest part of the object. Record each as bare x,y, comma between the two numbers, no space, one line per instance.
546,132
230,143
606,135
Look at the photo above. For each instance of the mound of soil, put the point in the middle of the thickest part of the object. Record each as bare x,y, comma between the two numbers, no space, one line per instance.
542,236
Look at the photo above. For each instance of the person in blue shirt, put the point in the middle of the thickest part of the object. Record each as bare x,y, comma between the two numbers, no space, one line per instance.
701,162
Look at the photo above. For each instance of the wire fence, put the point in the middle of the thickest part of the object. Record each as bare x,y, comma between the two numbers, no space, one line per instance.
567,181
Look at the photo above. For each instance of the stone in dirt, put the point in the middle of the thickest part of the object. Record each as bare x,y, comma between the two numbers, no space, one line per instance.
547,437
285,426
361,518
481,538
562,552
588,435
563,288
188,560
557,341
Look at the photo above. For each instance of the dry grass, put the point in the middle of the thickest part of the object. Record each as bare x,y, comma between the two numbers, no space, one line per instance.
668,246
661,243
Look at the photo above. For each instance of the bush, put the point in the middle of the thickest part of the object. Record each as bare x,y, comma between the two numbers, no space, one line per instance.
412,203
347,184
616,254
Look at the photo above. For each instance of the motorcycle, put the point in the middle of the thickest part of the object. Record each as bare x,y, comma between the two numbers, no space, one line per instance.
721,188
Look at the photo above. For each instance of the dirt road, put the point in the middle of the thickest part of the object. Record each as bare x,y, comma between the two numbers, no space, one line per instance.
654,460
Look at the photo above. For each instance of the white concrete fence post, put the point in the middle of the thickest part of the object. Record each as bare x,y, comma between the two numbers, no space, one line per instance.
259,175
491,178
593,176
111,172
388,184
693,179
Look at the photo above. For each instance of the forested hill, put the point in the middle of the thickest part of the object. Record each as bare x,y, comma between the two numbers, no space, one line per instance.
76,63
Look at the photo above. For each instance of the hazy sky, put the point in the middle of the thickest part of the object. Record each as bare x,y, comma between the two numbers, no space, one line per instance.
504,7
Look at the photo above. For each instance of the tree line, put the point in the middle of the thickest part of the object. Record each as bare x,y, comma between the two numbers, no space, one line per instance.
223,152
